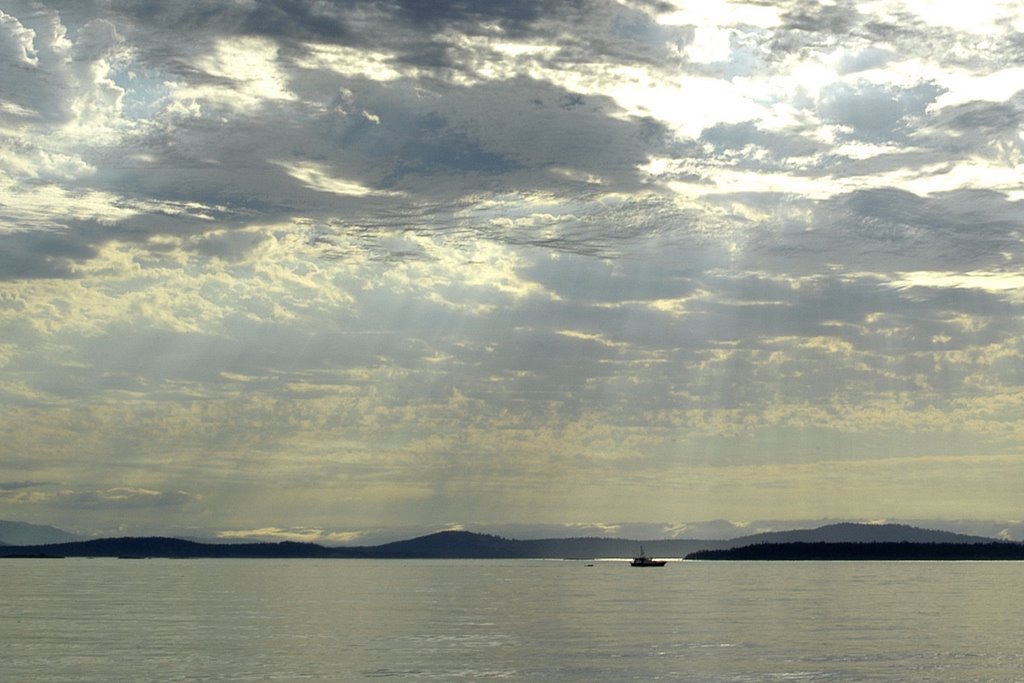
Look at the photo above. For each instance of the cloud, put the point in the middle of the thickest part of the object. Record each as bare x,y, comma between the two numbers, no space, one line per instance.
18,485
123,497
865,59
446,261
516,18
299,535
293,20
817,18
35,255
876,112
18,41
316,178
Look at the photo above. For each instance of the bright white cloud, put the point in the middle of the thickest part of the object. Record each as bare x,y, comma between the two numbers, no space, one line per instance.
317,177
966,86
17,41
687,104
349,61
245,74
711,44
978,18
46,206
989,282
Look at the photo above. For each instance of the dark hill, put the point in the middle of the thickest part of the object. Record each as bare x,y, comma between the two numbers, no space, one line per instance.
451,544
867,552
155,546
860,533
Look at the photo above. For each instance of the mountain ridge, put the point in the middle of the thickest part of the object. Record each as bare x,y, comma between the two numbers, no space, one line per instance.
851,532
24,533
473,545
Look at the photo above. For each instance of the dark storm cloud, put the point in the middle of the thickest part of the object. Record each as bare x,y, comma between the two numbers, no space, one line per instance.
888,230
808,23
965,229
587,281
987,119
30,255
125,498
984,129
286,20
514,18
732,137
414,28
18,485
55,252
811,16
425,145
490,128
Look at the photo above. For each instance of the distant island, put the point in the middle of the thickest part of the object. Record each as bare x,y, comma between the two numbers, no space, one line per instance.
996,550
830,542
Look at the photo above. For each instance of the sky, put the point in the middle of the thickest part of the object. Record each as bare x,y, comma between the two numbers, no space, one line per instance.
329,270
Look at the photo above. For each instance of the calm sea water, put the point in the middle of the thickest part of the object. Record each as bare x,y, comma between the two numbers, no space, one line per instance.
351,620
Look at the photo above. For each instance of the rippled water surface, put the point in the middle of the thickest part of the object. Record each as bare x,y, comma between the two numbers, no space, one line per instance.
174,620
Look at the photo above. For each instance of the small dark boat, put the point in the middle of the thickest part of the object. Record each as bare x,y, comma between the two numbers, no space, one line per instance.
643,560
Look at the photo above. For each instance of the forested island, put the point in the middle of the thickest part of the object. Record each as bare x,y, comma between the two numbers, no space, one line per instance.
885,552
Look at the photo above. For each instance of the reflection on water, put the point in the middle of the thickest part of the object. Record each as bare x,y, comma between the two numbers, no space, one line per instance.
174,620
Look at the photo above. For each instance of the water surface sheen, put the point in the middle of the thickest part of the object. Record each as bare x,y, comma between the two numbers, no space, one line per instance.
192,620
